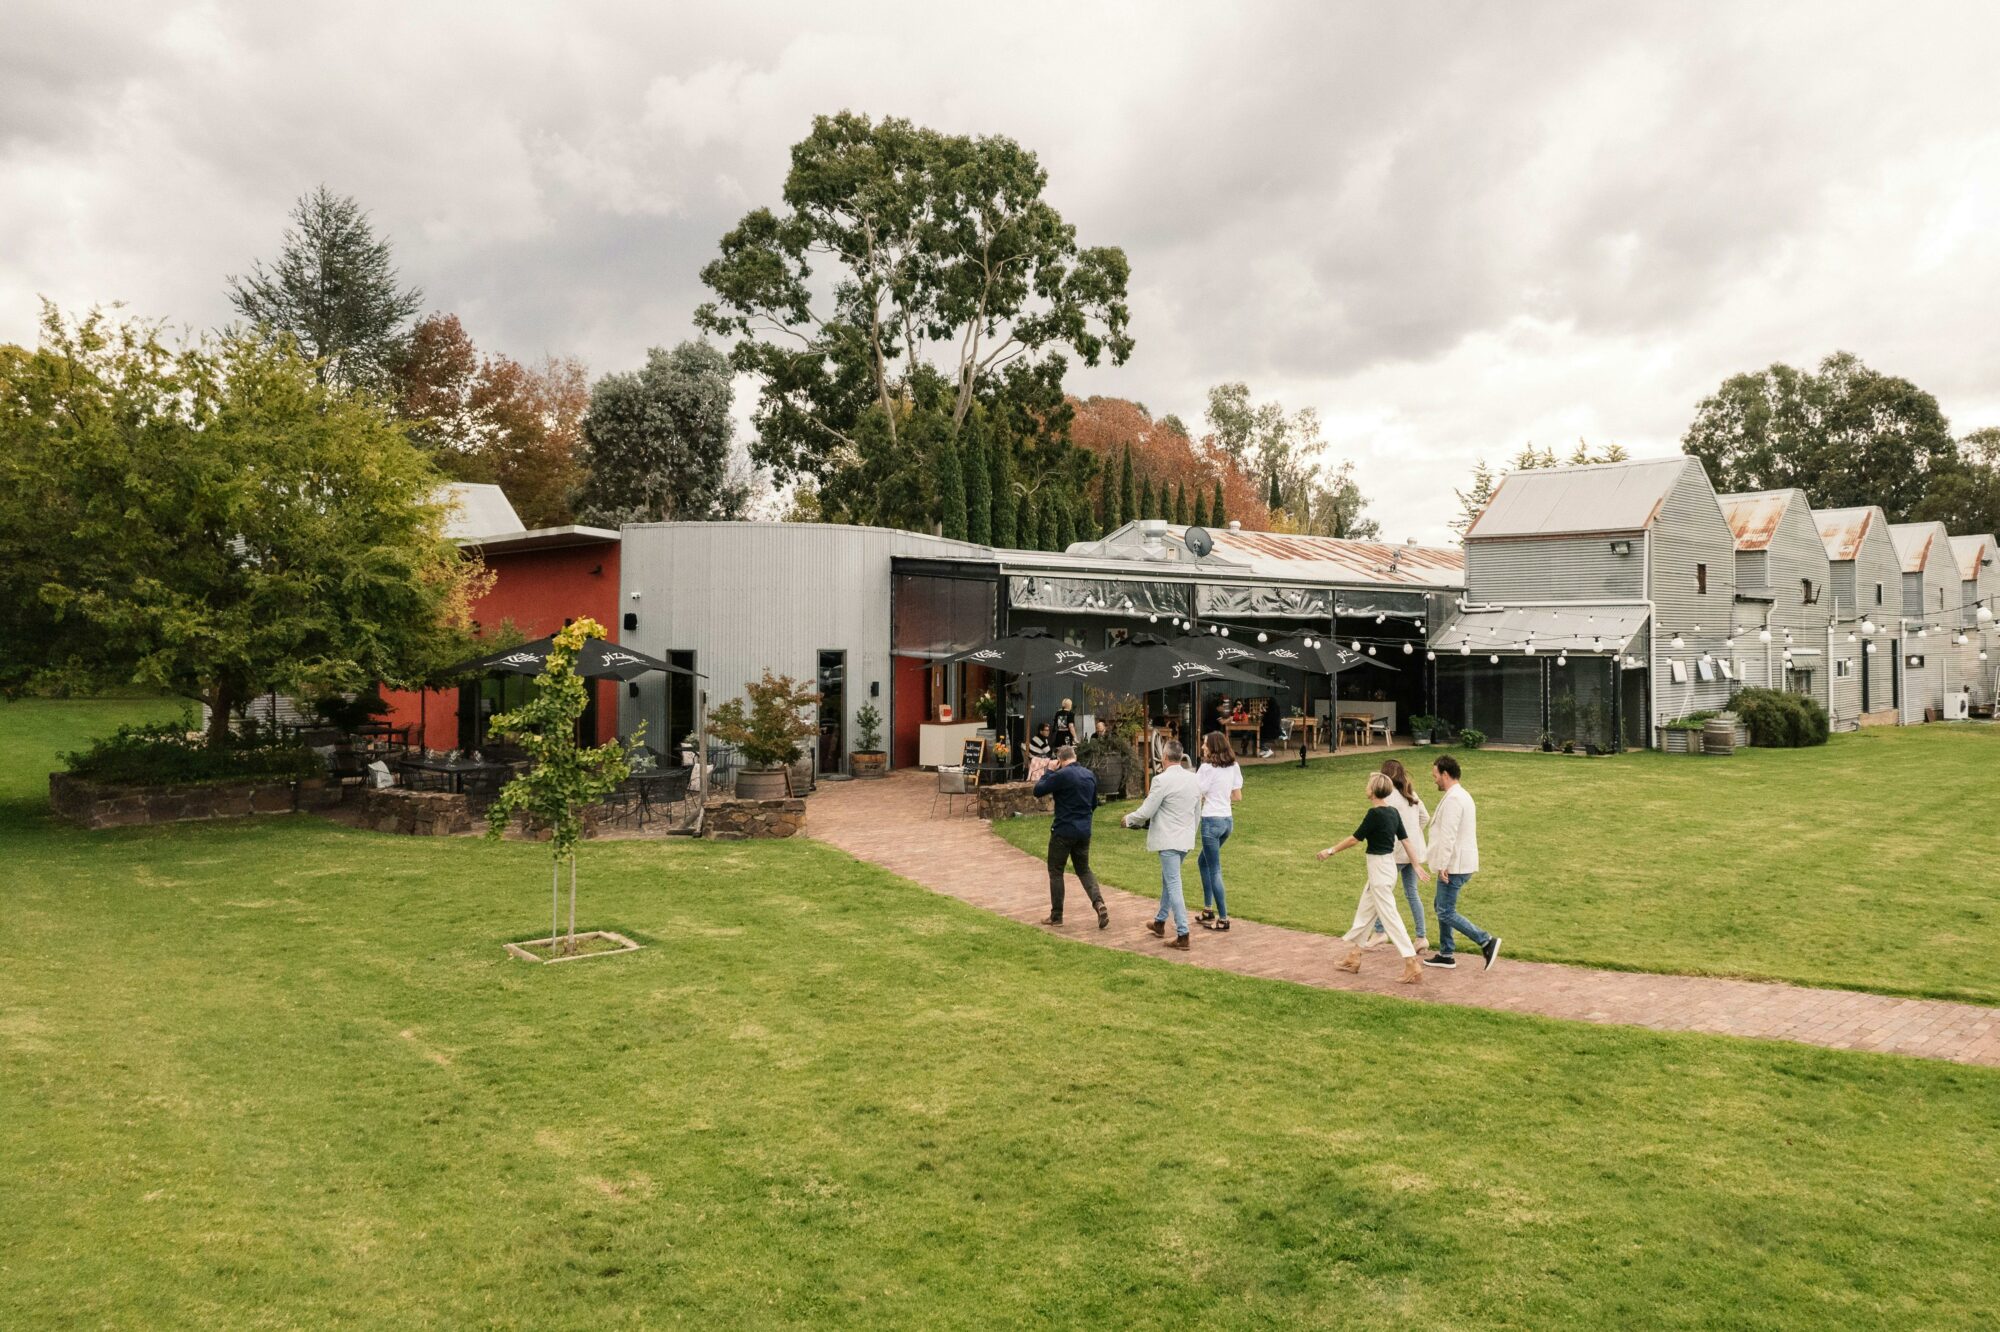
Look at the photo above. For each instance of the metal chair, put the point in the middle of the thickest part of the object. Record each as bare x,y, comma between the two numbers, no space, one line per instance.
951,785
414,778
482,786
657,789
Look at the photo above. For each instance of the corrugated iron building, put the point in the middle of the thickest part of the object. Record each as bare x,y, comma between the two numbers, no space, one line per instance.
1867,579
1929,610
1979,590
1783,624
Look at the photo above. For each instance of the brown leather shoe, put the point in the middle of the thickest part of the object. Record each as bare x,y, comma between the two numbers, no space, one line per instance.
1158,927
1051,920
1103,917
1179,941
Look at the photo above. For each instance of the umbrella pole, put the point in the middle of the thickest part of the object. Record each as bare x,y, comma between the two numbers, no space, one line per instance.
701,756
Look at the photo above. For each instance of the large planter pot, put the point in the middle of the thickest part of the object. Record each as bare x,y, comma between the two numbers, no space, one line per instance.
761,784
1673,740
868,763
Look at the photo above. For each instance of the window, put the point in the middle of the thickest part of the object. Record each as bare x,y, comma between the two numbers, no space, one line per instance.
1807,592
1798,681
1701,578
1878,594
1843,668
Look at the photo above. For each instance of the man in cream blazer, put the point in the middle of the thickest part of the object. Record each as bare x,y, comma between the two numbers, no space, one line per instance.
1454,854
1174,810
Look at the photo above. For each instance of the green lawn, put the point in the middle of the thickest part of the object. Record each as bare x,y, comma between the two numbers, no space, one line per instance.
1865,864
277,1073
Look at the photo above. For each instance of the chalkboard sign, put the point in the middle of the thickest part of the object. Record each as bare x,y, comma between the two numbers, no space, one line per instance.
974,758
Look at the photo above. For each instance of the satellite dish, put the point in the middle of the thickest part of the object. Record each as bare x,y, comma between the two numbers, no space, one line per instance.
1198,541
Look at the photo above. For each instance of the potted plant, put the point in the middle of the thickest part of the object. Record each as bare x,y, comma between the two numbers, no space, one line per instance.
1421,727
867,760
1471,737
565,780
767,731
1548,743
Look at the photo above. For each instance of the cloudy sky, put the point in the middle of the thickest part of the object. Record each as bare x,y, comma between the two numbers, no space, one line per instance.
1450,228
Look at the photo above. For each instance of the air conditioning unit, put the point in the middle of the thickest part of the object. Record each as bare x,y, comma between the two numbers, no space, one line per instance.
1957,707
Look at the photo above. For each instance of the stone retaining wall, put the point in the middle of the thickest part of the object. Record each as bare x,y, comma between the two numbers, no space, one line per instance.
393,809
101,805
738,820
1008,800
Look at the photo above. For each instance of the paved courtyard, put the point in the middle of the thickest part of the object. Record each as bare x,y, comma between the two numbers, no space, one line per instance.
889,823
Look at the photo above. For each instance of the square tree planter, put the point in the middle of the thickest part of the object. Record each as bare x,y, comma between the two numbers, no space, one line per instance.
590,943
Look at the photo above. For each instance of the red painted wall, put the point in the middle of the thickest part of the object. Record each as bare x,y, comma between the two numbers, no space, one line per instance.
908,687
537,590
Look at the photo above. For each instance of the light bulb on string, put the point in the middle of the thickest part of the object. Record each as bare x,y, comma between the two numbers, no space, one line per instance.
1263,637
1562,658
1961,640
1225,631
1433,656
1380,619
1409,648
1152,619
1494,659
1923,632
1983,613
1355,646
1371,649
1868,627
1465,649
1678,642
1763,635
1871,649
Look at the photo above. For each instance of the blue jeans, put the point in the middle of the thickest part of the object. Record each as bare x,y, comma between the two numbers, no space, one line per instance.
1448,889
1214,832
1409,876
1170,890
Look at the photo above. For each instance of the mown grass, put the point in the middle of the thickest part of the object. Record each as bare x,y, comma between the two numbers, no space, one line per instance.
1863,864
278,1073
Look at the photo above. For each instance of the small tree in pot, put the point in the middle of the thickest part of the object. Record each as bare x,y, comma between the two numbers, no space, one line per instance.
565,777
866,760
768,732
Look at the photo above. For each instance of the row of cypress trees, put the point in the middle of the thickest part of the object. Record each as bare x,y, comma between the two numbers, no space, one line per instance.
980,500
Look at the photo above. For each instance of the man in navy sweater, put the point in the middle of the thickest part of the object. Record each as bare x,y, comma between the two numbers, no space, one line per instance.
1075,790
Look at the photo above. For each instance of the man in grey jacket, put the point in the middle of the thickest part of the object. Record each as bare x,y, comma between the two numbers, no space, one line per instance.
1172,813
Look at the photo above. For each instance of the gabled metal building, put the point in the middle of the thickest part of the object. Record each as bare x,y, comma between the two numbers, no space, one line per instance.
1929,616
1783,623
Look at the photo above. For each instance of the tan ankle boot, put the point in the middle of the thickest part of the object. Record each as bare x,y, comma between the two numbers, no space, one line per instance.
1352,962
1413,971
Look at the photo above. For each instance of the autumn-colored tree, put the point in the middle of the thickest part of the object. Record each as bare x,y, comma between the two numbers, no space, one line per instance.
1161,449
493,419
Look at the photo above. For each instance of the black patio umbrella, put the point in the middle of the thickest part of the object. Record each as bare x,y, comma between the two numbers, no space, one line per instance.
1235,651
1146,662
595,660
1326,657
1024,652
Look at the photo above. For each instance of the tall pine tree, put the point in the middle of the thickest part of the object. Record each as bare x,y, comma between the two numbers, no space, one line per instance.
1027,524
1000,464
1216,517
1181,514
1276,499
951,491
1200,517
1107,501
978,489
1046,509
1146,501
1065,522
1128,495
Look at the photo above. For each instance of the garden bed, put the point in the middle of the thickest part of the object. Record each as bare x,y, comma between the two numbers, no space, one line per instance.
592,943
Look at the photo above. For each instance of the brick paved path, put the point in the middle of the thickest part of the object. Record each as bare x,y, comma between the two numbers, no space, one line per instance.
887,822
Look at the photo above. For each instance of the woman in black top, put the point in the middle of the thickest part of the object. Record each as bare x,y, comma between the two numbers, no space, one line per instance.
1064,726
1381,829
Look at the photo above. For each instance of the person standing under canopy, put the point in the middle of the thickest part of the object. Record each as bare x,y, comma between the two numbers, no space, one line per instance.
1074,789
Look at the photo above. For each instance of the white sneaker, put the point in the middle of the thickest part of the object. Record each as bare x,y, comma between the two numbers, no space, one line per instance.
1263,753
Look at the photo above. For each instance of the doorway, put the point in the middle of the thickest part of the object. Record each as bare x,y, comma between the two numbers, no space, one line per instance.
832,711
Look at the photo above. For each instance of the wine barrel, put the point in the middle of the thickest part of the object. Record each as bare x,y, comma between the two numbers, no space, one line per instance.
1718,735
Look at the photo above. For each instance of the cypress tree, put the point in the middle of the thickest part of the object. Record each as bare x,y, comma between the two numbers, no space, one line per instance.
1215,513
978,490
1000,463
1200,518
1146,504
1107,502
1276,499
1128,496
1046,510
951,491
1181,514
1027,524
1087,525
1065,523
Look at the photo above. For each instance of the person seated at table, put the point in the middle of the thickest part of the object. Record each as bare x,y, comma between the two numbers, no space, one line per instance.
1040,752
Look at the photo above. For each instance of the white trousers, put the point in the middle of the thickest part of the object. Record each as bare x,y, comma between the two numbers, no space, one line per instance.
1378,902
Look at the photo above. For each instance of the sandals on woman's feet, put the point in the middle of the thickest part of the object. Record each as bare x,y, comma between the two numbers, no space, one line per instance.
1204,916
1222,924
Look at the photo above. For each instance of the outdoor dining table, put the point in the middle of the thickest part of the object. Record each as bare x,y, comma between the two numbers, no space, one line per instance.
1242,736
456,770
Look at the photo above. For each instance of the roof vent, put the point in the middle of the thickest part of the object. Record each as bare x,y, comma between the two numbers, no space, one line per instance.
1153,539
1236,524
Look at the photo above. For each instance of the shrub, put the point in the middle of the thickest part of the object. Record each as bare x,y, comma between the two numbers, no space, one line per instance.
768,731
349,714
172,753
1694,721
867,729
1778,720
1471,737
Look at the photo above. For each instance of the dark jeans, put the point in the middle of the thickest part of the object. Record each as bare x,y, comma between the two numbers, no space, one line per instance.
1062,849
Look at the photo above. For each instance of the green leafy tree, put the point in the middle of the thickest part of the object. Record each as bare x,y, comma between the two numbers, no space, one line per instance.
656,441
334,290
1472,501
1216,514
951,492
978,489
1128,494
214,520
901,249
1200,516
564,778
1005,501
1845,434
768,730
1965,495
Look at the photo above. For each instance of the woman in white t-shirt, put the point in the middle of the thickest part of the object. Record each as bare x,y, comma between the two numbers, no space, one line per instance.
1404,800
1221,782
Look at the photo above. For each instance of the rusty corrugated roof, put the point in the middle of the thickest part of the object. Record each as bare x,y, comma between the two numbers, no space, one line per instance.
1972,552
1338,560
1914,543
1754,517
1844,530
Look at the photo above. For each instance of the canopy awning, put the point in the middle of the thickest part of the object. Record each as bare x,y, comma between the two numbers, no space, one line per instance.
1573,627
